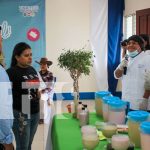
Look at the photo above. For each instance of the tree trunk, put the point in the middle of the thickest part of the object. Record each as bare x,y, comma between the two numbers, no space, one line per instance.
76,89
76,96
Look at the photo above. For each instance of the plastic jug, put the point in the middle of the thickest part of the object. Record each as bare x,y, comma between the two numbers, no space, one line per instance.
135,118
105,109
117,111
145,135
98,101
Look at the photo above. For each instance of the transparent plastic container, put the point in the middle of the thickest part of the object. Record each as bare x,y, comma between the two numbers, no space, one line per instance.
145,135
98,101
99,125
88,130
120,142
105,108
90,142
117,113
135,118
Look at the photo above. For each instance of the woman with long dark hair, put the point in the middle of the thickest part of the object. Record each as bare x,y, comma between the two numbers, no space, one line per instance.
25,84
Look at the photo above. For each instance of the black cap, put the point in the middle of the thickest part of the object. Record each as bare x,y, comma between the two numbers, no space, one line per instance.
137,39
85,105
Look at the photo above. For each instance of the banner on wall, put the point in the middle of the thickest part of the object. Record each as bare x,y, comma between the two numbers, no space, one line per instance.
23,21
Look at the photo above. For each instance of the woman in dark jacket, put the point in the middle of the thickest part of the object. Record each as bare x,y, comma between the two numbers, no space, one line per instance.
25,84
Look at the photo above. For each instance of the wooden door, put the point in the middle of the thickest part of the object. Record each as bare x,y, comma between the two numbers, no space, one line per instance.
143,21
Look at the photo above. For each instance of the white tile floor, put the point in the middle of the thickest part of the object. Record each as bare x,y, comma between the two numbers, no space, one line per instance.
60,107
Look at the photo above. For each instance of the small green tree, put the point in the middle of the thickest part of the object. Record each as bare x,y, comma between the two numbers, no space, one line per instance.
77,62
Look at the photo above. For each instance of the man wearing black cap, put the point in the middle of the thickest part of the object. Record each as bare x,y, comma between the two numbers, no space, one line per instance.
136,65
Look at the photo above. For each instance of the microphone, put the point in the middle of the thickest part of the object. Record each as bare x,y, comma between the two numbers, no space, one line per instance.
125,68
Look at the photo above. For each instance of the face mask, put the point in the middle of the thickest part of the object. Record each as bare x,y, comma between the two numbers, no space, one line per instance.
133,54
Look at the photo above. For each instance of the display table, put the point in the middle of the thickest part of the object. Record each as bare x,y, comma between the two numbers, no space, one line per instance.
66,133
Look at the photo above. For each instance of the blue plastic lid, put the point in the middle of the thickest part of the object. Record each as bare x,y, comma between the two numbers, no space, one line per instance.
101,94
138,116
106,99
117,104
145,127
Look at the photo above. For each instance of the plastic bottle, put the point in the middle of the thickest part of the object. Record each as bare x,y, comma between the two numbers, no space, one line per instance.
83,117
79,109
86,109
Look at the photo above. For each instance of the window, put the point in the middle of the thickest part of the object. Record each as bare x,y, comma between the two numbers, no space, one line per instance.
129,25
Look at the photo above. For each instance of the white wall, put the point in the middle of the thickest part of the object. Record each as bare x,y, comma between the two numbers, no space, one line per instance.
67,26
132,5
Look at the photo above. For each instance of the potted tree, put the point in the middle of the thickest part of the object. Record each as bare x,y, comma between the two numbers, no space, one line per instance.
77,62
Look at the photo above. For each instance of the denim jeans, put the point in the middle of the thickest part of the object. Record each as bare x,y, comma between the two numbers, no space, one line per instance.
24,129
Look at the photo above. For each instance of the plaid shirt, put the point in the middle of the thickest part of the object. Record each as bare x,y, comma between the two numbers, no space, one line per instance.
48,78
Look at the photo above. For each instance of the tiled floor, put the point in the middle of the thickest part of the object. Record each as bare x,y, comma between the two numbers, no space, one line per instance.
60,107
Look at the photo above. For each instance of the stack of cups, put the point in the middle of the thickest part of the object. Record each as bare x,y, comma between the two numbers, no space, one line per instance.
90,138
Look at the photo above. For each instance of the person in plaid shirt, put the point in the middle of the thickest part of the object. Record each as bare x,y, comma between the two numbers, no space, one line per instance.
47,93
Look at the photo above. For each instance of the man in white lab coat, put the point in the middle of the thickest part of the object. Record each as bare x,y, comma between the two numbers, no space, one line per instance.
132,72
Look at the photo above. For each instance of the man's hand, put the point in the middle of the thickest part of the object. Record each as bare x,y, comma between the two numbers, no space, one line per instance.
9,146
144,104
124,63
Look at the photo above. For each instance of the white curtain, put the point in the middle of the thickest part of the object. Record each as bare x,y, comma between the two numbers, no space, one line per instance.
98,40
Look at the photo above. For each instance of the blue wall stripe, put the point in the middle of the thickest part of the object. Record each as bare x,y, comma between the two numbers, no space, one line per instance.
83,96
69,96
